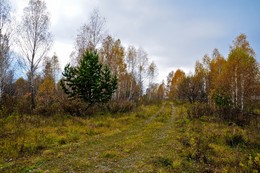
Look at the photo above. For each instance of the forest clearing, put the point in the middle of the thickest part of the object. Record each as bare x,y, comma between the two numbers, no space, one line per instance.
158,138
135,93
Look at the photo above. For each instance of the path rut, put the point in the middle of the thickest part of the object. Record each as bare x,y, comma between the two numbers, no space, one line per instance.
128,151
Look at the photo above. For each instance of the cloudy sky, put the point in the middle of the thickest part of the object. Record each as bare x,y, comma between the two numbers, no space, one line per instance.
175,33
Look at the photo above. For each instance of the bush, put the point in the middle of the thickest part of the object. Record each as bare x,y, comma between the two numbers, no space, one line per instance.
198,109
23,105
3,112
49,110
121,106
74,107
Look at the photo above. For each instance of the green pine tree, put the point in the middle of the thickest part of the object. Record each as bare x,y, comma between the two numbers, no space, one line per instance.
89,81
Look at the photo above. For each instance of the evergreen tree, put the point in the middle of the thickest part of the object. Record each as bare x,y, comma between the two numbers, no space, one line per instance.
89,81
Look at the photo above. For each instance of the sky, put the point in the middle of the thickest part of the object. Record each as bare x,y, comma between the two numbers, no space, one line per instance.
175,33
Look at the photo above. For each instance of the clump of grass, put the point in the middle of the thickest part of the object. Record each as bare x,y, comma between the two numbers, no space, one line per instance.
143,112
236,140
252,163
91,132
162,162
110,154
62,141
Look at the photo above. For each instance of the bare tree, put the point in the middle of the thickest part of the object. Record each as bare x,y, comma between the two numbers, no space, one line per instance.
142,63
5,36
152,73
90,34
34,40
169,84
52,67
131,65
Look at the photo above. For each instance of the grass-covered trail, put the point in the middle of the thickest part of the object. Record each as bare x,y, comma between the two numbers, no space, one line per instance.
144,145
151,139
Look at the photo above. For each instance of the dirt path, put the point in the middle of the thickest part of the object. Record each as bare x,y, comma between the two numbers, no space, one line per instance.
155,115
135,149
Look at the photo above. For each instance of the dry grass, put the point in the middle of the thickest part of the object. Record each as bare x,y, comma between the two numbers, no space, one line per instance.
150,139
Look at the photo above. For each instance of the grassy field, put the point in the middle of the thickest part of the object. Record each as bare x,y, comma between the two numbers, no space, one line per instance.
158,138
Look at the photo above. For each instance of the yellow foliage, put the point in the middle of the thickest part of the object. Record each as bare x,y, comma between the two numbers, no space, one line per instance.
46,97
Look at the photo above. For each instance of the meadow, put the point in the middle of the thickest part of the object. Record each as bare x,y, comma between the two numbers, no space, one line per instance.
153,138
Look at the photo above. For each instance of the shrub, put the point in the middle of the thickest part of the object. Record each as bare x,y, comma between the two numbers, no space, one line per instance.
73,107
121,106
198,109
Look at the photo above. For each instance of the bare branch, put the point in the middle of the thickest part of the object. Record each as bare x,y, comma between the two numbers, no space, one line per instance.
34,39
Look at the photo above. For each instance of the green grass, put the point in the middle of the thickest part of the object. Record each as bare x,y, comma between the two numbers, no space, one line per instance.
150,139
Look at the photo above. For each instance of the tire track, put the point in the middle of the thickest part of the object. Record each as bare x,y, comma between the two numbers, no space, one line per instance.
92,150
152,118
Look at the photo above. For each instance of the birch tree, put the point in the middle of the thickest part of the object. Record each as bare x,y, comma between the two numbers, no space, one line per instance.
90,34
5,36
216,69
239,78
112,53
152,73
131,60
52,68
142,63
168,84
34,40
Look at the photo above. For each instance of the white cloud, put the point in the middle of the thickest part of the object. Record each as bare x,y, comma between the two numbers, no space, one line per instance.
175,35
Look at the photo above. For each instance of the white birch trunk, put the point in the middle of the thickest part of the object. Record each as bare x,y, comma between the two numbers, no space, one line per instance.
242,91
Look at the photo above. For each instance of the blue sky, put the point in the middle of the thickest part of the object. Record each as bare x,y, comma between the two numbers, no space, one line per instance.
175,33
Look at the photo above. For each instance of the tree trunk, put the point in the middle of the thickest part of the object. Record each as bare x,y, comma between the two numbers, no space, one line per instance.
236,88
242,92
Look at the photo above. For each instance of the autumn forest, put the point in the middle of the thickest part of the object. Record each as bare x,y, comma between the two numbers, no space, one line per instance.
105,112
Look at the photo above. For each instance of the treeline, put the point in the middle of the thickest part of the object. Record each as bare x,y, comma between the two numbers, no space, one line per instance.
38,90
227,86
32,85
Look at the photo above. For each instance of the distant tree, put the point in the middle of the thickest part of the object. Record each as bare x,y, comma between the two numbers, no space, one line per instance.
169,83
142,64
152,73
161,91
152,92
131,60
216,69
112,54
89,81
21,87
22,96
52,68
47,93
34,40
188,90
90,34
175,82
47,97
237,78
6,74
201,80
242,43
